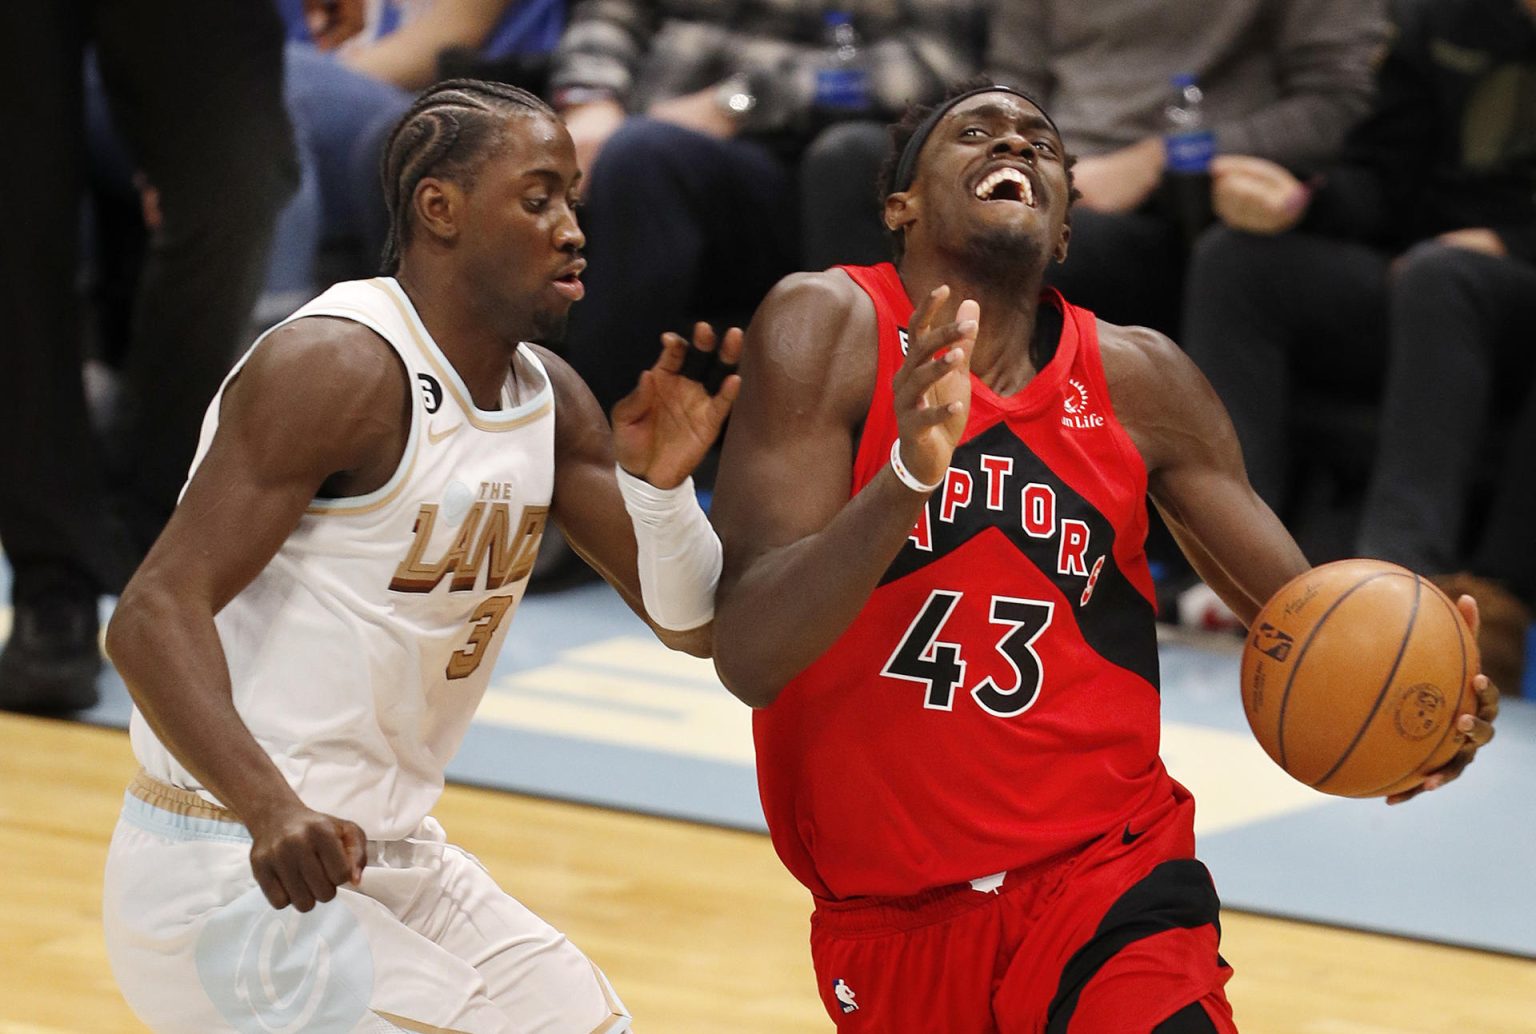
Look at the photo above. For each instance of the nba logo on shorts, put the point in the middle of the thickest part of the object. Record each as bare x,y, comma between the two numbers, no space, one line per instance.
844,995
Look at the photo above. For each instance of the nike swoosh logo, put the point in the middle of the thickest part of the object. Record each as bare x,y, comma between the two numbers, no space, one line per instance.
436,436
1128,837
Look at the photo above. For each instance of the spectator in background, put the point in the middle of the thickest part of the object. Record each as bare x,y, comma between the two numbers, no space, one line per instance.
688,120
1282,79
196,88
1409,268
344,102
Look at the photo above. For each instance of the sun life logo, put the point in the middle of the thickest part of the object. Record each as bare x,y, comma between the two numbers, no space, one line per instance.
1076,407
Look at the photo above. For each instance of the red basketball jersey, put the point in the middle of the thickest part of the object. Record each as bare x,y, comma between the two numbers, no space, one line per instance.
995,703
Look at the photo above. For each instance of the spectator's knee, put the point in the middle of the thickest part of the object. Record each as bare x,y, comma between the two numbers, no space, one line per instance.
1430,267
1222,247
645,146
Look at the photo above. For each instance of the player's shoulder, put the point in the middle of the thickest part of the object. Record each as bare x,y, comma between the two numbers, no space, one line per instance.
329,354
822,295
814,334
1140,360
1159,395
821,314
564,381
581,427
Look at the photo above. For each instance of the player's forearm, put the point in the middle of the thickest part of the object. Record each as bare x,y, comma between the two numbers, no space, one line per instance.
174,667
784,607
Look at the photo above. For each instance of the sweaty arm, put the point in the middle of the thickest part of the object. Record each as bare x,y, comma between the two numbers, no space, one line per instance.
1195,471
322,405
801,558
592,513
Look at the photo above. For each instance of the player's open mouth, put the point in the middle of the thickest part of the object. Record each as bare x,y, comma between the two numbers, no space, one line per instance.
569,284
1006,184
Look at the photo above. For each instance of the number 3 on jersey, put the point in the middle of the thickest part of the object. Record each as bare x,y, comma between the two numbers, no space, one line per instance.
924,658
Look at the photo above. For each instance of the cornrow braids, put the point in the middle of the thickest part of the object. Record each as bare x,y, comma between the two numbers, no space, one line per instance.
447,132
913,120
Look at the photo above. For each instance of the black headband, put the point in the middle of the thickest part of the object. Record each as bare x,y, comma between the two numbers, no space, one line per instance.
906,167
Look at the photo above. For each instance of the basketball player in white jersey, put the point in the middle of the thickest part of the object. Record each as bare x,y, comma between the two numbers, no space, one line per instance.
308,640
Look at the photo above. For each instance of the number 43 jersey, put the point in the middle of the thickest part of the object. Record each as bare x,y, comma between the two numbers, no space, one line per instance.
359,654
995,703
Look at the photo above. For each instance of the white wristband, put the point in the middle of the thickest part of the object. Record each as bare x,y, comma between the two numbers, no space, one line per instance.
905,476
678,552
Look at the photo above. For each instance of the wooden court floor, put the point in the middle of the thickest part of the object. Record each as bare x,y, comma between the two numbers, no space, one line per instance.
699,928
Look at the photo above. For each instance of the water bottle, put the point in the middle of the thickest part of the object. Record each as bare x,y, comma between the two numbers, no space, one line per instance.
842,83
1190,145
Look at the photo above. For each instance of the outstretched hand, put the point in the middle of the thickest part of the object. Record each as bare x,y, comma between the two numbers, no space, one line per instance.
932,390
663,428
1473,730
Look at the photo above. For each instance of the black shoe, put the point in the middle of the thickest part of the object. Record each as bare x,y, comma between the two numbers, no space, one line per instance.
50,663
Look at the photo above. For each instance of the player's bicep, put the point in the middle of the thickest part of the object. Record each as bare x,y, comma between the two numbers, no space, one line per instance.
587,506
299,412
1196,476
786,465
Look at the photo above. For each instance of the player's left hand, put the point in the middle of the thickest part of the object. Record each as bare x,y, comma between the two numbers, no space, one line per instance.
663,428
1473,730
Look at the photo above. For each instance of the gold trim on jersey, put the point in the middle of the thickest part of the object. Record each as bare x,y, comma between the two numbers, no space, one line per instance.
412,1025
339,508
611,1000
450,381
176,800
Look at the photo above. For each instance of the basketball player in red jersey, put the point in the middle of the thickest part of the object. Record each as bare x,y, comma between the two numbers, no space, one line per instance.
936,593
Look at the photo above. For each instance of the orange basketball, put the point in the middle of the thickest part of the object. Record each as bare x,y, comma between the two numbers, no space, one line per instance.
1354,675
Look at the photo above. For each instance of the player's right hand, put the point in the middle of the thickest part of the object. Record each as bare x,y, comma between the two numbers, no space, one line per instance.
933,387
300,856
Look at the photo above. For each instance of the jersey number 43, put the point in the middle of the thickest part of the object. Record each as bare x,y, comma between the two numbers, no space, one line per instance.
923,657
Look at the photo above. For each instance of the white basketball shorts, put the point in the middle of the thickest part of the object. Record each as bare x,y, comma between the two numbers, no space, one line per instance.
428,942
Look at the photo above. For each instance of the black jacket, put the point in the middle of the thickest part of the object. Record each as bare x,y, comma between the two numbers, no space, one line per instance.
1451,142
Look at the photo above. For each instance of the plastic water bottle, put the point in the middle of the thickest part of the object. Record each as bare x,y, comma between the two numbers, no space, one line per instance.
842,83
1190,145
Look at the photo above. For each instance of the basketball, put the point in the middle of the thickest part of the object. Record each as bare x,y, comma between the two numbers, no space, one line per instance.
1353,677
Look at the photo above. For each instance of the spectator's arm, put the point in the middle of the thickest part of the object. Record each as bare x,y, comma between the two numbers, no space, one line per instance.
408,56
602,47
1327,56
1018,49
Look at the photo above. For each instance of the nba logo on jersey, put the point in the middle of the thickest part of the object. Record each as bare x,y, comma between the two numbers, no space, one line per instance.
844,995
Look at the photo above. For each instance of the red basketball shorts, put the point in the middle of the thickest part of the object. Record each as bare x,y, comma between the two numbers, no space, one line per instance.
1115,939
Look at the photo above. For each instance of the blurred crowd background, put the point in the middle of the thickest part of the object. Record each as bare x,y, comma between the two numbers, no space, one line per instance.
1329,204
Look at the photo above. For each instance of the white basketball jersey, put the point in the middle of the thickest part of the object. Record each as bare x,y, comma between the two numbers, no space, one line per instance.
360,653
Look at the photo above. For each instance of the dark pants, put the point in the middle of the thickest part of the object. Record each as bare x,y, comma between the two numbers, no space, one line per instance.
1504,551
1287,327
196,89
680,226
1462,324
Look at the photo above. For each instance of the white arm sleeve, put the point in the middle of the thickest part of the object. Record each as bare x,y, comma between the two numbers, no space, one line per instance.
679,552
